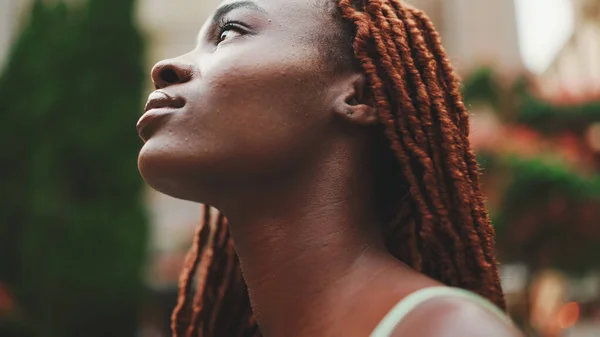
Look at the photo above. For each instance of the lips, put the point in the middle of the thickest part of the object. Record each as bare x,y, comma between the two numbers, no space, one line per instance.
160,99
159,106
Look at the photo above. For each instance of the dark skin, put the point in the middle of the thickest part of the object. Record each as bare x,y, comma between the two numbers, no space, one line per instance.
264,128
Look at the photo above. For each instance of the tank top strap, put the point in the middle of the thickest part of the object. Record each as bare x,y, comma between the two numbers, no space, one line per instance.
410,302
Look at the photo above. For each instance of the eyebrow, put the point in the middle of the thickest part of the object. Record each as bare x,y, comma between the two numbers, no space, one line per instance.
225,9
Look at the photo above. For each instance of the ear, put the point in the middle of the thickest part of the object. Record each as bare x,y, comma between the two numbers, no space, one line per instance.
351,104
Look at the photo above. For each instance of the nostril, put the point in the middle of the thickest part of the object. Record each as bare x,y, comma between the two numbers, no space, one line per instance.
171,72
169,76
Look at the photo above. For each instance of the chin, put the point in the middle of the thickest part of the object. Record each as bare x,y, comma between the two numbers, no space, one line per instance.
167,171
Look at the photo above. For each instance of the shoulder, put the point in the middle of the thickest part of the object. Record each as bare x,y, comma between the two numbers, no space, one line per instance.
451,317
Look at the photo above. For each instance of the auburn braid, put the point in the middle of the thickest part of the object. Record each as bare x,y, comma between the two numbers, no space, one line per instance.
452,89
440,228
181,317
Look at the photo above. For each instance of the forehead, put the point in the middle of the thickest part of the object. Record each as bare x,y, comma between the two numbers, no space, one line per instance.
305,5
299,13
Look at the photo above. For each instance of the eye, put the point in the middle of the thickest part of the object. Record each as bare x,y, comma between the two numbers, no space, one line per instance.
228,34
229,31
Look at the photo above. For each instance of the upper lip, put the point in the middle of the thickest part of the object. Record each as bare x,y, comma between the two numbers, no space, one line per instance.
161,99
157,100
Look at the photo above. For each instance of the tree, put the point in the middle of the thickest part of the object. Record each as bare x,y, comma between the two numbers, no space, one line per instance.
73,233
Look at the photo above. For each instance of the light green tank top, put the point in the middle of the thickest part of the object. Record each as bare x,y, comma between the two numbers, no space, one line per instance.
409,303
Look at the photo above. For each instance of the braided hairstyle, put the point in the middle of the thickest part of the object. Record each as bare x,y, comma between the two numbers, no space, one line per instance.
439,227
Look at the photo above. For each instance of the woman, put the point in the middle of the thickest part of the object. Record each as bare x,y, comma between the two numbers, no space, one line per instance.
334,138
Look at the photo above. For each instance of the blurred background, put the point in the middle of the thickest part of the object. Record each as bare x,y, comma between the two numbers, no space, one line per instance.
87,250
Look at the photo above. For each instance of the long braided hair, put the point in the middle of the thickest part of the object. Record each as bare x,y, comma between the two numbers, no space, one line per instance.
441,228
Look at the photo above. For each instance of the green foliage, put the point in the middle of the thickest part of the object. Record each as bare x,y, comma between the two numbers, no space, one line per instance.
547,212
535,181
73,234
483,86
550,118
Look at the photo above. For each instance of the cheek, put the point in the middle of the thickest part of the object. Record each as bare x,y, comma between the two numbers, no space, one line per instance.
260,109
243,117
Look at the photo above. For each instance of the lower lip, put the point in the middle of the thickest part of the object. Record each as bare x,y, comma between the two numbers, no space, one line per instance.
150,121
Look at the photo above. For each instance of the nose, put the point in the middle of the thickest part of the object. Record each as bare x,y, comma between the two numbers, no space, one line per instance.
170,72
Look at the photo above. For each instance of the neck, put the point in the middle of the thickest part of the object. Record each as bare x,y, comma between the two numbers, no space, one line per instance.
301,239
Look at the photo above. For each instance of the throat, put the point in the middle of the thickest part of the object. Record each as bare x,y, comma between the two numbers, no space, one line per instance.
310,243
299,272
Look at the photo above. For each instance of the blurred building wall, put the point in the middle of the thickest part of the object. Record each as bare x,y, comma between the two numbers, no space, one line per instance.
575,72
172,26
8,16
479,32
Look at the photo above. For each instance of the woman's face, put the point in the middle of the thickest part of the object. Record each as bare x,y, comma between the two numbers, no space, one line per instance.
252,99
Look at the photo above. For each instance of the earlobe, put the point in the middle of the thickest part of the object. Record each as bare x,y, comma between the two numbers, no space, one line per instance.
351,105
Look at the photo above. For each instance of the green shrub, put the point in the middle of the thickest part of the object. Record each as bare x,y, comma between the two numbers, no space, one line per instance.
73,234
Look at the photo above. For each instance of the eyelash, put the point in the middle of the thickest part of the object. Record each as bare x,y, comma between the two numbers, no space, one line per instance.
227,25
